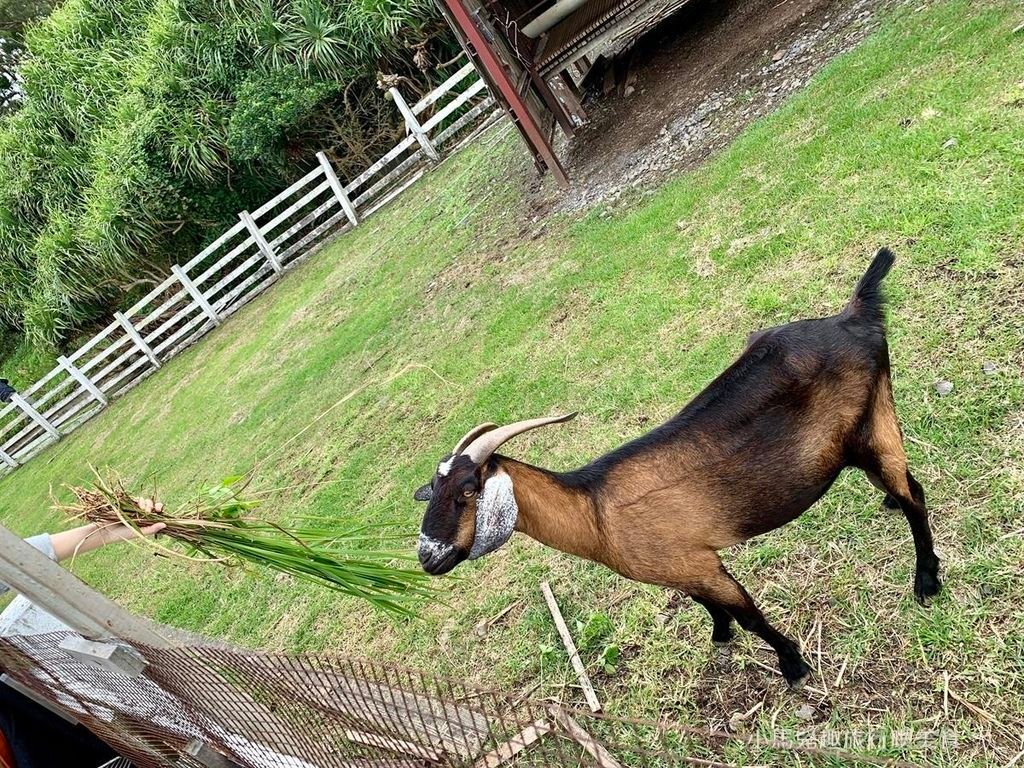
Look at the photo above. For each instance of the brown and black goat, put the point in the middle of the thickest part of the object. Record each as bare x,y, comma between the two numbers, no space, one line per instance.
750,453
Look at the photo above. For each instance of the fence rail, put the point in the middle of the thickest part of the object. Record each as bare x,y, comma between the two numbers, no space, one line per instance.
236,267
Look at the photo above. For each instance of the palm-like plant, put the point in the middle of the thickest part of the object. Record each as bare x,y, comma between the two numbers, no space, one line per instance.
140,112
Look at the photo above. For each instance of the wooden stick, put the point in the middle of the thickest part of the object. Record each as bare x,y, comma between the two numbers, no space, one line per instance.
392,745
570,646
584,739
505,752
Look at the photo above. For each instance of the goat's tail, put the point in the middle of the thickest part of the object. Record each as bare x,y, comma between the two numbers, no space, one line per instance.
868,301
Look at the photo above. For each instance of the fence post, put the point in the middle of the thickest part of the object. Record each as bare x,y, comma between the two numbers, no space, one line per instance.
261,241
9,460
136,337
339,190
35,415
196,294
83,380
414,125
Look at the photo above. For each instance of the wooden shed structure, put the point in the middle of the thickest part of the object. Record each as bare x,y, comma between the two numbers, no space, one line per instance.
535,55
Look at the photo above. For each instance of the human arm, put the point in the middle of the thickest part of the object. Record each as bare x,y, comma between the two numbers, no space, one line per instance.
87,538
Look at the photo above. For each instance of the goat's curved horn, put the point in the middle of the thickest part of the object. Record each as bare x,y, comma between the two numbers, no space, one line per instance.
472,435
483,446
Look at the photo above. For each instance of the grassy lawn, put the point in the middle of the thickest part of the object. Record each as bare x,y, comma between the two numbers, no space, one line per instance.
624,315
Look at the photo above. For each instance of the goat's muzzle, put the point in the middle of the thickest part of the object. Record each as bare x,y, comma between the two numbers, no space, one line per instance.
436,557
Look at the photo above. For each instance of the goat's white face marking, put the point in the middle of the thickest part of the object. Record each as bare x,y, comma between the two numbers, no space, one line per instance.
445,467
431,546
496,515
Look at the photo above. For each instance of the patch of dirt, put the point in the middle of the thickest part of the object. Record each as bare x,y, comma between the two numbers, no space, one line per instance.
696,82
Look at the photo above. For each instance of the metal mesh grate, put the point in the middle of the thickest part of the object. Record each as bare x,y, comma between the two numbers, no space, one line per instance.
210,706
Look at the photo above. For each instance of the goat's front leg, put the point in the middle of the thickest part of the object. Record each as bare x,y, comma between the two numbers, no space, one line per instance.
720,589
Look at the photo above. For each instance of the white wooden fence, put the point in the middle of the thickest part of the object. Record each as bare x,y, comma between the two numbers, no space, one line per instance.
201,293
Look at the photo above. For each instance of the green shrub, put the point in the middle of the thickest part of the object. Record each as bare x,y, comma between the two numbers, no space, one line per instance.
147,124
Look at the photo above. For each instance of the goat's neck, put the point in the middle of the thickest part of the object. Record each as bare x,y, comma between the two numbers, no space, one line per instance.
553,513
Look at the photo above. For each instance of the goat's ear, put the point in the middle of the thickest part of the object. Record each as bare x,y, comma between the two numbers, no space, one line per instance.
424,493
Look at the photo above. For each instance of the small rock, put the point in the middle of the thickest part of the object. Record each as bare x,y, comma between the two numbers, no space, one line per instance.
661,619
629,91
806,712
950,143
778,55
989,368
943,387
736,723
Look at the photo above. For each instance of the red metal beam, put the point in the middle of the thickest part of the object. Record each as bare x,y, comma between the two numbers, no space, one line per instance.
492,65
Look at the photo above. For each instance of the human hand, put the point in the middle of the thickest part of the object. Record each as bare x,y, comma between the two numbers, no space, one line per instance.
93,536
125,532
114,533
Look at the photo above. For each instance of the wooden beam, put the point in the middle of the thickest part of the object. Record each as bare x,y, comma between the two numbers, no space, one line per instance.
196,294
85,382
398,746
338,188
112,657
414,125
32,574
33,414
9,460
570,647
261,242
207,756
491,65
137,339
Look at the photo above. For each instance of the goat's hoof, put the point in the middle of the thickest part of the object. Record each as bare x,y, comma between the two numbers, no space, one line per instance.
796,673
798,684
722,639
889,502
926,586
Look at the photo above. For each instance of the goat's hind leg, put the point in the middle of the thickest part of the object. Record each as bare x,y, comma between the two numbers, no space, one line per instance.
910,496
720,589
888,502
721,632
886,459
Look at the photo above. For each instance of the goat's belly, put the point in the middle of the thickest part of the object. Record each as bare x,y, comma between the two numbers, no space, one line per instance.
770,508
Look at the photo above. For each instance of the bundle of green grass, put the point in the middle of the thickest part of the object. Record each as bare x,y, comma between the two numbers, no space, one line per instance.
219,527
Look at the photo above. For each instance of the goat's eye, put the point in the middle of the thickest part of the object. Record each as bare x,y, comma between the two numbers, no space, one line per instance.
469,493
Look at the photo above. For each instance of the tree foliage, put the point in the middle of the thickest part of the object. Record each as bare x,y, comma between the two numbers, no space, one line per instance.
147,124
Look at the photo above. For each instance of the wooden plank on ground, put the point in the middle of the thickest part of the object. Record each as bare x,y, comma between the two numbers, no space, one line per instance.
391,744
505,752
591,745
570,647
